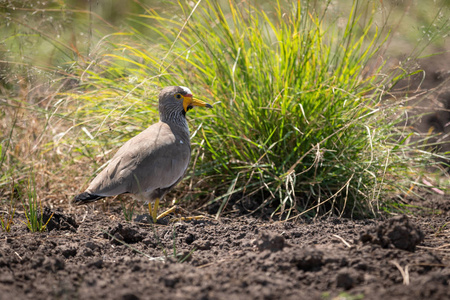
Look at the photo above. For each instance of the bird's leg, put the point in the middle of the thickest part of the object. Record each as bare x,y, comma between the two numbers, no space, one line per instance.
150,210
154,211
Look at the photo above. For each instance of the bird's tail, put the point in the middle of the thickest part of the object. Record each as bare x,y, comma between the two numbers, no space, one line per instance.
86,197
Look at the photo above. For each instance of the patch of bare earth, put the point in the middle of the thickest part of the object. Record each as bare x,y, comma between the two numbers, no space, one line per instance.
234,258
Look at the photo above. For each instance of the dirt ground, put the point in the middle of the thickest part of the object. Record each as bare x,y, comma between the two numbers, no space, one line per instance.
231,258
91,253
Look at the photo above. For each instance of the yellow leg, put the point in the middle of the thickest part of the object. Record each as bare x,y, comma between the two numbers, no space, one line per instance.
154,211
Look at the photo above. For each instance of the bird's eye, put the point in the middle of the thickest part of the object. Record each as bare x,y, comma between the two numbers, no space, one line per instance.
178,96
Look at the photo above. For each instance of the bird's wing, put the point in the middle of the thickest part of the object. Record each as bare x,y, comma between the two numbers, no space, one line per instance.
155,158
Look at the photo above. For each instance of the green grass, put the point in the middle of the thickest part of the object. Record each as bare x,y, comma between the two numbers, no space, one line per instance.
303,122
128,209
298,120
34,212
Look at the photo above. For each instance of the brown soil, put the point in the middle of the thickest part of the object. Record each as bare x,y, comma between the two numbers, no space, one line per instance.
233,258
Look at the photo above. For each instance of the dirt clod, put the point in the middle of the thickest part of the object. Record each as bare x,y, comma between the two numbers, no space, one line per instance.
97,263
344,280
59,221
202,245
67,250
308,259
399,232
53,264
129,234
129,296
271,241
91,245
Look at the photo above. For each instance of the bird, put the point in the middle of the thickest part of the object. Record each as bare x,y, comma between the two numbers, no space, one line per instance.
151,163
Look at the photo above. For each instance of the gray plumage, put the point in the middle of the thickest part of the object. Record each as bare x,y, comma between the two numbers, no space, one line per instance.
154,161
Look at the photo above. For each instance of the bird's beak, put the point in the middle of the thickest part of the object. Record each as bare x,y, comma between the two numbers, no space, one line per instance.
189,102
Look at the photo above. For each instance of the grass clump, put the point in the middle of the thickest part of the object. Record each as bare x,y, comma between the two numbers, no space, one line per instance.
33,209
298,120
128,209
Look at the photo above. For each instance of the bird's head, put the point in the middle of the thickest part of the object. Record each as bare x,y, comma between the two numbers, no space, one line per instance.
177,100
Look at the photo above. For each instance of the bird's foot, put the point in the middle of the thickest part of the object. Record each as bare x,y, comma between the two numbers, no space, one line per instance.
178,211
174,209
187,219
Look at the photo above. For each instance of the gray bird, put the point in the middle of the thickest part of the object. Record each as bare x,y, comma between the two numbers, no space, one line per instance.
153,162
